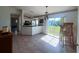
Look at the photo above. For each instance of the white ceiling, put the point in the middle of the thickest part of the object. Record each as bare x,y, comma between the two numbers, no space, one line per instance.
40,10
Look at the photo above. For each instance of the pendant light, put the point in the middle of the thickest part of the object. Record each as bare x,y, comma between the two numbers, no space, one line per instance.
46,13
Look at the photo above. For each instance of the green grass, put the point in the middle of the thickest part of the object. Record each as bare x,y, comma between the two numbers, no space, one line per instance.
54,30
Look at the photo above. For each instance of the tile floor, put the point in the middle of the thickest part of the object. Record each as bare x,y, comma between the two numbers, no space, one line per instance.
36,44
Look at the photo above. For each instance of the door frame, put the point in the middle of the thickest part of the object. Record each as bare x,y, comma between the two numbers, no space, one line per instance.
17,17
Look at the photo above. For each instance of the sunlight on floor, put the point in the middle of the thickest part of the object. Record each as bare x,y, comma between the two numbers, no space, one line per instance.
51,40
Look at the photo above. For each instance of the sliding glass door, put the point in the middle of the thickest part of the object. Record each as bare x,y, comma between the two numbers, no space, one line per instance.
53,27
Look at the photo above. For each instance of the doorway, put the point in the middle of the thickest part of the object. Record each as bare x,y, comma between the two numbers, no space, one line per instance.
14,23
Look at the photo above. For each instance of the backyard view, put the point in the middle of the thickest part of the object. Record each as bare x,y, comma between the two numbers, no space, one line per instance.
54,30
54,27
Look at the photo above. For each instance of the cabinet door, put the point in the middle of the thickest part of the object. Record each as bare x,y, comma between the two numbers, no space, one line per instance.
68,29
1,44
7,40
7,45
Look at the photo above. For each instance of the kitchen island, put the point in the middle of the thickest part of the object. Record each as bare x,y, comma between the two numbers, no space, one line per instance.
31,30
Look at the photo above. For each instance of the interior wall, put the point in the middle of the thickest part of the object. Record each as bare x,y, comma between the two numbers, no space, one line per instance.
78,32
20,21
5,15
13,10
